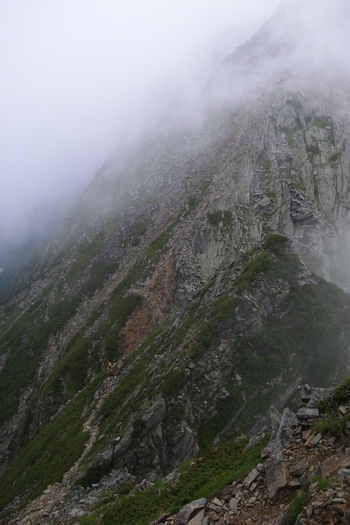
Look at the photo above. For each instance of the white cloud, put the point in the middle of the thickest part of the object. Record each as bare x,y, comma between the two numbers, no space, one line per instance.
76,73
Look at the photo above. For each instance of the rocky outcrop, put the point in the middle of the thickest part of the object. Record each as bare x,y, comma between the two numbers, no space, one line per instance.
295,459
180,264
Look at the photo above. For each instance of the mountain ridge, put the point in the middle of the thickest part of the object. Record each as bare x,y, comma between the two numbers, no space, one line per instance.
194,266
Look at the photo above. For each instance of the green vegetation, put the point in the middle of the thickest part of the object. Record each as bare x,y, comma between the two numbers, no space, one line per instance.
330,425
223,310
335,157
98,274
196,199
334,423
312,318
202,291
276,243
261,264
296,507
82,258
313,151
264,162
50,454
115,410
220,216
322,121
323,483
193,201
171,383
72,369
26,340
225,408
92,475
138,229
285,267
204,477
28,336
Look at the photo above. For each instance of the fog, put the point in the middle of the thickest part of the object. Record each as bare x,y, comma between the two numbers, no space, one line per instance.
82,77
79,76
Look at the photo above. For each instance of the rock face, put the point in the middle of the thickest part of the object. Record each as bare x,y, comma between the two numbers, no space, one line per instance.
193,265
264,496
318,469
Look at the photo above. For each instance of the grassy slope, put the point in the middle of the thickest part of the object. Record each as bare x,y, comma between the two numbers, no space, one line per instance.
216,469
51,454
71,371
313,318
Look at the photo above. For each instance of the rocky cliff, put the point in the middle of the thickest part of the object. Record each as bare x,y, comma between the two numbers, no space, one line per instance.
202,265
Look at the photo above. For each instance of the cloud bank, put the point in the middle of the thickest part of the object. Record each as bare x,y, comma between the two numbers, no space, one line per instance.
78,76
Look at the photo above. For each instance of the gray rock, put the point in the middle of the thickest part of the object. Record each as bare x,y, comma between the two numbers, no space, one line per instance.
198,518
343,473
316,440
253,474
105,458
299,468
305,482
275,476
154,413
76,512
181,443
308,413
190,510
234,502
123,444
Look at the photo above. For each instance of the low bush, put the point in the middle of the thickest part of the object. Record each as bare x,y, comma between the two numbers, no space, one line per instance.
296,507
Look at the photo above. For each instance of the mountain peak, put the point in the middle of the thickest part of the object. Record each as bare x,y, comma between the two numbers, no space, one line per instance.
304,43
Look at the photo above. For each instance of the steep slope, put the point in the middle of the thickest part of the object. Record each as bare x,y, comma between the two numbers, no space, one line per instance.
191,263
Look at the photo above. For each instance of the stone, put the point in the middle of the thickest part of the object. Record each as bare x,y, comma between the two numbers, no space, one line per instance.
234,502
343,473
294,483
265,453
333,464
309,440
306,434
316,440
105,459
190,510
161,519
275,476
308,413
197,519
299,468
154,413
263,203
288,420
124,444
77,512
253,474
215,508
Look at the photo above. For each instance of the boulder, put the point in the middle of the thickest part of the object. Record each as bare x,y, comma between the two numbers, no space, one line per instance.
189,511
154,413
299,468
275,476
333,464
124,444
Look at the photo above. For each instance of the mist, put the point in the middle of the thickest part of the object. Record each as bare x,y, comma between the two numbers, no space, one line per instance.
81,77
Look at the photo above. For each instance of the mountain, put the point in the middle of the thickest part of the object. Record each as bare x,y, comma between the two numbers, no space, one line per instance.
209,265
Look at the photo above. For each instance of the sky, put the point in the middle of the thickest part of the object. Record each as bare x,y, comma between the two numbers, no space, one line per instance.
78,76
